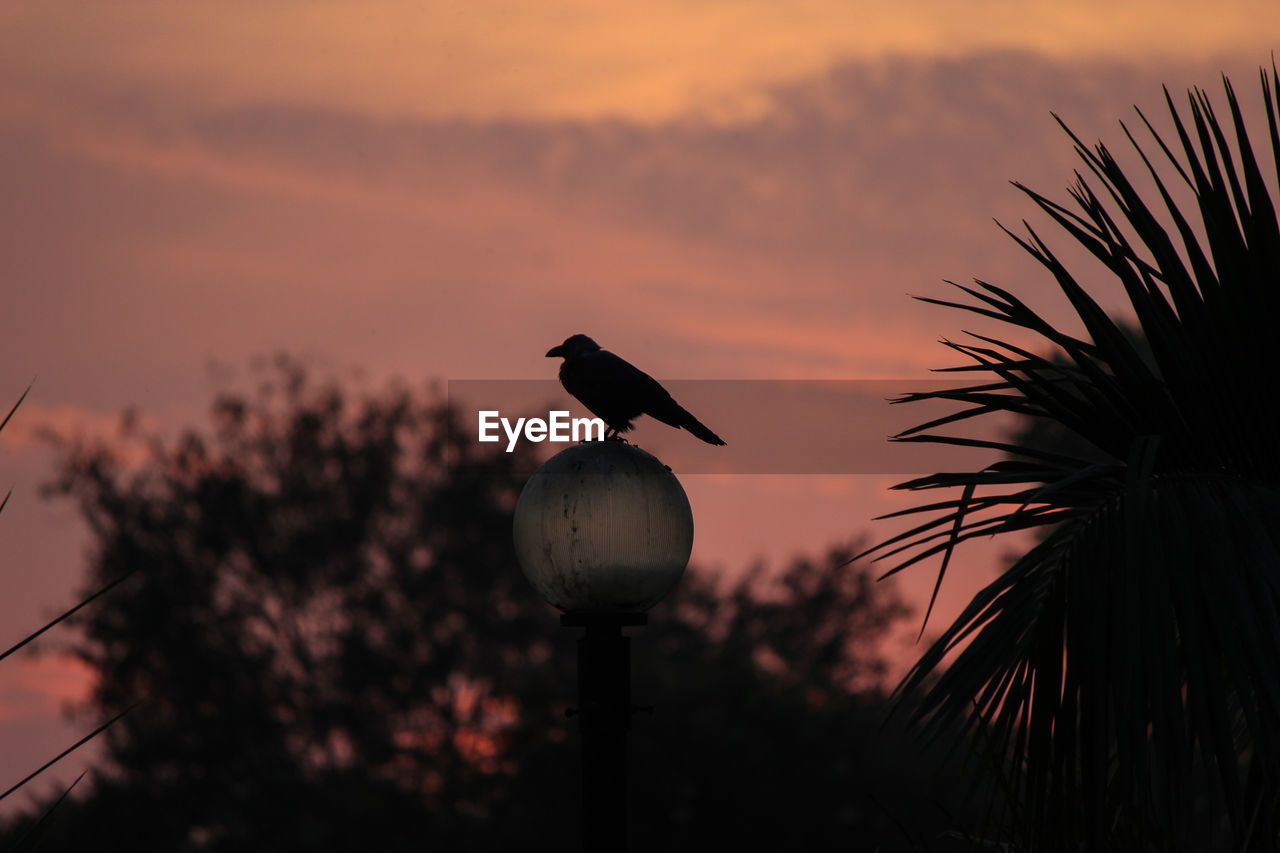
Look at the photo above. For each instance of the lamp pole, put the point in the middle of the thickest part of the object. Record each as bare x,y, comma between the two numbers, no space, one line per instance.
604,718
603,531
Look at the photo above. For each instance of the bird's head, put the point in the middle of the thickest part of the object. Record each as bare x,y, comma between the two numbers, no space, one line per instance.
573,347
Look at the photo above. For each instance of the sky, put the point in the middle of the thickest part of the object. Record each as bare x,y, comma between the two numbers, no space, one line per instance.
442,191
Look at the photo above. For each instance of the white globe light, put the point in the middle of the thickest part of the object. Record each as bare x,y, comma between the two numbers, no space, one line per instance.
603,527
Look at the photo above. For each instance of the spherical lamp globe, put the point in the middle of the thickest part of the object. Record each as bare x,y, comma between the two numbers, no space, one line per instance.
603,528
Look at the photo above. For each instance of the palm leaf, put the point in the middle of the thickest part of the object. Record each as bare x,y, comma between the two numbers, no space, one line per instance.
1124,672
37,633
52,761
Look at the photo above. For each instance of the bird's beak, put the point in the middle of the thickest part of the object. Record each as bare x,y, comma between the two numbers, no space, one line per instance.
556,352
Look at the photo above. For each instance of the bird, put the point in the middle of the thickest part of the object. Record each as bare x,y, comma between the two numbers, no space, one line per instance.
618,392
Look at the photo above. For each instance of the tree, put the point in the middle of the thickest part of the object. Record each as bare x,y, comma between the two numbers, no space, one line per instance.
330,643
1121,675
316,590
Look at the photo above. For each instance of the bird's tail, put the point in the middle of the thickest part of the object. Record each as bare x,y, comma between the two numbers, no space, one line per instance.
696,427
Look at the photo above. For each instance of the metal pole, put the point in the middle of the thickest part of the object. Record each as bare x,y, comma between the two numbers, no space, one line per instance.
604,716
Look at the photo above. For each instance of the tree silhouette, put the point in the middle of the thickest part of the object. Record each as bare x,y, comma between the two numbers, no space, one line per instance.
1123,675
331,644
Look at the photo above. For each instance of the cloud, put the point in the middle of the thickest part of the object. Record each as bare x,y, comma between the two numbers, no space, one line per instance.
34,420
643,61
853,155
781,243
32,687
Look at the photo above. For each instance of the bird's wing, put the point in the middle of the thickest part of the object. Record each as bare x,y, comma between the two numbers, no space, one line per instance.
618,392
647,394
658,403
607,385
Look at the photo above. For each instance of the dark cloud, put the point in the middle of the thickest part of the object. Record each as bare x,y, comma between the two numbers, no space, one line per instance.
850,191
853,159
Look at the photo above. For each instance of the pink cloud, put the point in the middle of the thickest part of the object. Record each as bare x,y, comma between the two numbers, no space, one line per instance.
36,686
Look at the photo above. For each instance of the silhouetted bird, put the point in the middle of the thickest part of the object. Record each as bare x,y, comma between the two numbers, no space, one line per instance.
617,392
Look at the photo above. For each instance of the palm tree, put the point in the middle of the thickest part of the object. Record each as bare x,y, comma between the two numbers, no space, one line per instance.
1122,676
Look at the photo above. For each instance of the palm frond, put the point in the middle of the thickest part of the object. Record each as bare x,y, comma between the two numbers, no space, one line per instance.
1124,672
52,761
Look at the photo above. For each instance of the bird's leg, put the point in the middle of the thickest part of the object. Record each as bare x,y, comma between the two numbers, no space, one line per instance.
611,434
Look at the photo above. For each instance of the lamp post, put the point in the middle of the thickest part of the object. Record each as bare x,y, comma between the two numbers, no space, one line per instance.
603,530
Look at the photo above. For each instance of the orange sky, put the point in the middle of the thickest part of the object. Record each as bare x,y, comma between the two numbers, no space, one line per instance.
444,190
634,59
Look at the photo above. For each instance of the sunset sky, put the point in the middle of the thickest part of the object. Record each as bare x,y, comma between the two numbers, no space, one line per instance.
442,191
